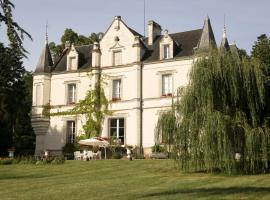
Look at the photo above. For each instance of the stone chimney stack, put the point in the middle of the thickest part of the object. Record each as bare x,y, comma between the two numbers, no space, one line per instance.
67,44
96,54
154,29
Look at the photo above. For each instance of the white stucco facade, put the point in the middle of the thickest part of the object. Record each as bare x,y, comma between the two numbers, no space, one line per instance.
121,56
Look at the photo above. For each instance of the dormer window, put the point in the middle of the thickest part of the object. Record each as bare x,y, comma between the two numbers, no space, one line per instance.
72,63
72,59
166,51
166,47
117,58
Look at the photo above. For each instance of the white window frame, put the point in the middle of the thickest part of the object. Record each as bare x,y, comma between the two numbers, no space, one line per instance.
38,95
71,132
116,96
167,84
117,127
166,51
73,63
74,94
114,53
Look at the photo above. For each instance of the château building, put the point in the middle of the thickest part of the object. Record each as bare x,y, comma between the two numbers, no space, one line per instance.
142,76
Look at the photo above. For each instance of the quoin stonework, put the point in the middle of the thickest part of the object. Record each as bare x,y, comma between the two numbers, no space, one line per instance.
142,76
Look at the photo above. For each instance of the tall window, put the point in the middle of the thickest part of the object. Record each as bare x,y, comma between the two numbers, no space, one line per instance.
72,63
38,95
71,128
117,130
71,94
167,85
116,89
166,51
117,58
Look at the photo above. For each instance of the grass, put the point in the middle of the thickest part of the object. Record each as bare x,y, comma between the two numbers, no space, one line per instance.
122,179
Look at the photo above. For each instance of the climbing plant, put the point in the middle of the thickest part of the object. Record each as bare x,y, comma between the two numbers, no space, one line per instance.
220,120
94,107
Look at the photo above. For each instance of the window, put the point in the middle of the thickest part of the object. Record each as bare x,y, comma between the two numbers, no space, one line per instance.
71,97
166,51
71,128
117,58
167,85
38,95
116,90
72,63
117,129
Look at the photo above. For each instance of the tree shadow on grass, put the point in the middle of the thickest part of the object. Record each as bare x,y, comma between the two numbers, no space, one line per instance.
32,176
208,192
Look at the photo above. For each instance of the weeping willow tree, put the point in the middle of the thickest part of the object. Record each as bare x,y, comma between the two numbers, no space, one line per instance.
165,129
220,120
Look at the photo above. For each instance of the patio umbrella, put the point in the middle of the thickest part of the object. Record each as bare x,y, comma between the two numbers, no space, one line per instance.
95,142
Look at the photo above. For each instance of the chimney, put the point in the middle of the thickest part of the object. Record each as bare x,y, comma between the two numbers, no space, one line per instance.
154,29
67,44
96,54
117,24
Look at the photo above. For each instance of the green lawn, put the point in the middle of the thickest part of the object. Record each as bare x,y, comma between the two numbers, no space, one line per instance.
122,179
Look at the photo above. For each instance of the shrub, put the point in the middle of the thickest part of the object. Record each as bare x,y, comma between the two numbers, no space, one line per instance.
158,148
5,161
116,155
58,161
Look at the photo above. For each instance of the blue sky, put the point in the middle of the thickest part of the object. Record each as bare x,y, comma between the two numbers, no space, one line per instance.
245,19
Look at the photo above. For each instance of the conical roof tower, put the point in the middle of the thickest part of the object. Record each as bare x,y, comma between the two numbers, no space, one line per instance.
207,37
45,60
224,42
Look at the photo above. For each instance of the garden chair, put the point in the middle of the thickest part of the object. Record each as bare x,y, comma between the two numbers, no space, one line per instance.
90,155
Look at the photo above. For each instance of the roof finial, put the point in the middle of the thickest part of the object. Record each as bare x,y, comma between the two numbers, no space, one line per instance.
46,40
224,28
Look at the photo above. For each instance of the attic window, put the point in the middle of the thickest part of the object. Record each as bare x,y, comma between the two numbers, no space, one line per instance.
72,63
166,51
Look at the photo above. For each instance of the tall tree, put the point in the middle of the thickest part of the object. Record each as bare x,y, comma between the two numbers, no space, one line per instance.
15,32
261,50
12,91
220,118
70,35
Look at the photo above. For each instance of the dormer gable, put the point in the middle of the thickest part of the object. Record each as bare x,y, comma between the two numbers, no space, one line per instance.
166,46
117,45
72,59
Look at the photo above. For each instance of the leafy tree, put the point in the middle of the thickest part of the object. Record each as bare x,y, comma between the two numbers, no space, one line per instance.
261,50
165,128
220,123
15,32
14,104
73,37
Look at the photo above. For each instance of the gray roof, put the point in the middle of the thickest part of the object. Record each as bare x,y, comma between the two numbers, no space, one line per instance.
224,43
207,38
184,44
85,58
45,61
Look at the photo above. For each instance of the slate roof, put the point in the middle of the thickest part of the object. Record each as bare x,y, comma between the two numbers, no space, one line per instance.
85,58
45,61
184,44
